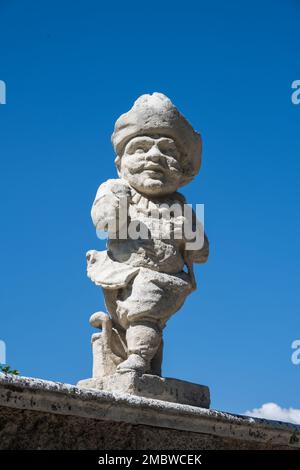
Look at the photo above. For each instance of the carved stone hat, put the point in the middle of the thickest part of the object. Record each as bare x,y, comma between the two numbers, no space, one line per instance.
156,115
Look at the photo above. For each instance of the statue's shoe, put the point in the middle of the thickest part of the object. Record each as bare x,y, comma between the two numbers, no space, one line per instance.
133,363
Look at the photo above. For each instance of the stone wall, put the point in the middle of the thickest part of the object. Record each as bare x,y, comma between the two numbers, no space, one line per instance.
37,414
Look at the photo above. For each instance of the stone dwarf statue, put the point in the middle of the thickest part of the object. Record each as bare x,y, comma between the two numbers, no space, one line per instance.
145,280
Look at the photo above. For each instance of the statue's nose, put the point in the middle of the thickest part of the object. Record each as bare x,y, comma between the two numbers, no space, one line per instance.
154,154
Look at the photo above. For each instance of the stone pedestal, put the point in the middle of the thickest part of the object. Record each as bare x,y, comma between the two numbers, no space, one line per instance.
106,377
152,386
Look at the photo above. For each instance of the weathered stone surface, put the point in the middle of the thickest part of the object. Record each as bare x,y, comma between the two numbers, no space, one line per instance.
39,430
37,414
152,386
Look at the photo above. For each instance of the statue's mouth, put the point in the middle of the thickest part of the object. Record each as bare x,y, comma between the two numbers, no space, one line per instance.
153,167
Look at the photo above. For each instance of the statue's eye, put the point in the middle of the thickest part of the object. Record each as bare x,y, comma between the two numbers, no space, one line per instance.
139,150
167,148
170,151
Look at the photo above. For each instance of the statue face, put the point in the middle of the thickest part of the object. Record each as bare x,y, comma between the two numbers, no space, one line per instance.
151,165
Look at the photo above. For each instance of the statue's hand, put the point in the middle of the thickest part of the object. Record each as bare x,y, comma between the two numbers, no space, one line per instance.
121,189
111,196
200,255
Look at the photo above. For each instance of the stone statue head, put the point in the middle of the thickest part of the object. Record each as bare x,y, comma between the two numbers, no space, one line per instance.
157,149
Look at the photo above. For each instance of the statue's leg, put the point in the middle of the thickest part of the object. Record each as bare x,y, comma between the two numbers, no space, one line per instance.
156,362
152,299
143,340
153,296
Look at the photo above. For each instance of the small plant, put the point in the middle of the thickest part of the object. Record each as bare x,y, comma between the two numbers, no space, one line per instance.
8,370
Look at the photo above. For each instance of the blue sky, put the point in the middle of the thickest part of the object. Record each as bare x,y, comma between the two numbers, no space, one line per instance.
71,68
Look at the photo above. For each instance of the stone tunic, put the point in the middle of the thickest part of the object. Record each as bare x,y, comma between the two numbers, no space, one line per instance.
150,269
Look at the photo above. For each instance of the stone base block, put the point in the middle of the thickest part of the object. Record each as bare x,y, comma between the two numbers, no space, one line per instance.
152,386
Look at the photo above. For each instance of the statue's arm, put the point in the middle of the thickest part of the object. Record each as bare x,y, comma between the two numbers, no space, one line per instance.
200,255
197,250
105,209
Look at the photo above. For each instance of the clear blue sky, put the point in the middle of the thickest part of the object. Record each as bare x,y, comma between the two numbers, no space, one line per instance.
71,69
